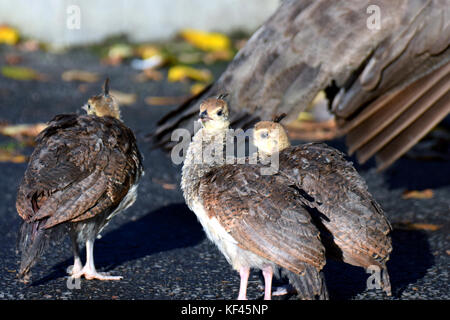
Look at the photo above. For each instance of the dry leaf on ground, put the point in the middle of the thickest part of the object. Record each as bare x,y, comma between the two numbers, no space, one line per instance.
180,73
164,101
406,225
11,156
165,185
124,99
415,194
79,75
207,41
18,131
22,73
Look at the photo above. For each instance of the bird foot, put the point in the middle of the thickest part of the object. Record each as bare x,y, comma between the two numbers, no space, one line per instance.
283,290
74,269
90,274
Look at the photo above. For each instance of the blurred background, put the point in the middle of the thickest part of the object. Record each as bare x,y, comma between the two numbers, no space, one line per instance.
55,54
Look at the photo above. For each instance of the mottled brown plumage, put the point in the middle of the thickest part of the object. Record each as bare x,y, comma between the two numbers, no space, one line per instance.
394,78
84,170
254,221
353,226
267,219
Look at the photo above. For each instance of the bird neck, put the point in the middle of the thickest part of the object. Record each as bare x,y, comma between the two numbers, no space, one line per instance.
205,151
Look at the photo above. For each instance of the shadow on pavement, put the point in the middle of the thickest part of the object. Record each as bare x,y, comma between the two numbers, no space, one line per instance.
166,228
409,261
417,175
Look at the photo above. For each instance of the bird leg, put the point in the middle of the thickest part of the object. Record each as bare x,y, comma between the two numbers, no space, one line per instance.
89,271
267,273
244,272
77,264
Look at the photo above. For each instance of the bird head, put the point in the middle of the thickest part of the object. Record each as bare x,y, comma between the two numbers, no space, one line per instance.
103,104
270,137
214,113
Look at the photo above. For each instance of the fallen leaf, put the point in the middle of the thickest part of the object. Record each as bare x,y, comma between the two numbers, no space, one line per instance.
165,185
22,73
406,225
13,59
415,194
196,88
117,53
22,130
123,98
11,156
179,73
79,75
164,101
149,74
8,35
207,41
222,55
190,57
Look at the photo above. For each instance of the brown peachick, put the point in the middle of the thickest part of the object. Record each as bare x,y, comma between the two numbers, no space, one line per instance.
84,170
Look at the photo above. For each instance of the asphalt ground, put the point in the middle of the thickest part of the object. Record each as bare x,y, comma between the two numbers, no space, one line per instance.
158,246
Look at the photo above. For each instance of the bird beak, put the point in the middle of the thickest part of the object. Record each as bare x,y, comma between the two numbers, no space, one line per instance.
85,108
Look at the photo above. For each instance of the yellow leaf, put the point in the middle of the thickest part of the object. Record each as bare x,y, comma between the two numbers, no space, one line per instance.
11,156
207,41
305,116
416,226
148,51
196,88
179,73
123,98
8,35
415,194
22,130
79,75
163,101
20,73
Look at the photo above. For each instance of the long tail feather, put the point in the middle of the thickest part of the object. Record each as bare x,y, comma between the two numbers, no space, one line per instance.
310,286
32,241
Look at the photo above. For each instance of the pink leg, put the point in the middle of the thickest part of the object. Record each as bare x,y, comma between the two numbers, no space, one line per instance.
244,272
267,273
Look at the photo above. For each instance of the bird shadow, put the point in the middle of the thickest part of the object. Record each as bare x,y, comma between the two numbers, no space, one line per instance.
409,261
427,174
166,228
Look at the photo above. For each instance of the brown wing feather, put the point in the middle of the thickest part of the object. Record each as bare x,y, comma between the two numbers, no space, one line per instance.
80,166
331,185
307,46
262,216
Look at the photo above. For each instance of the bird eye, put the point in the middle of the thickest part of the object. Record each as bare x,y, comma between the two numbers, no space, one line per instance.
264,135
219,113
89,106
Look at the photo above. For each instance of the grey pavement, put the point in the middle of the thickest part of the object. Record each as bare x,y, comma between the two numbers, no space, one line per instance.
158,246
